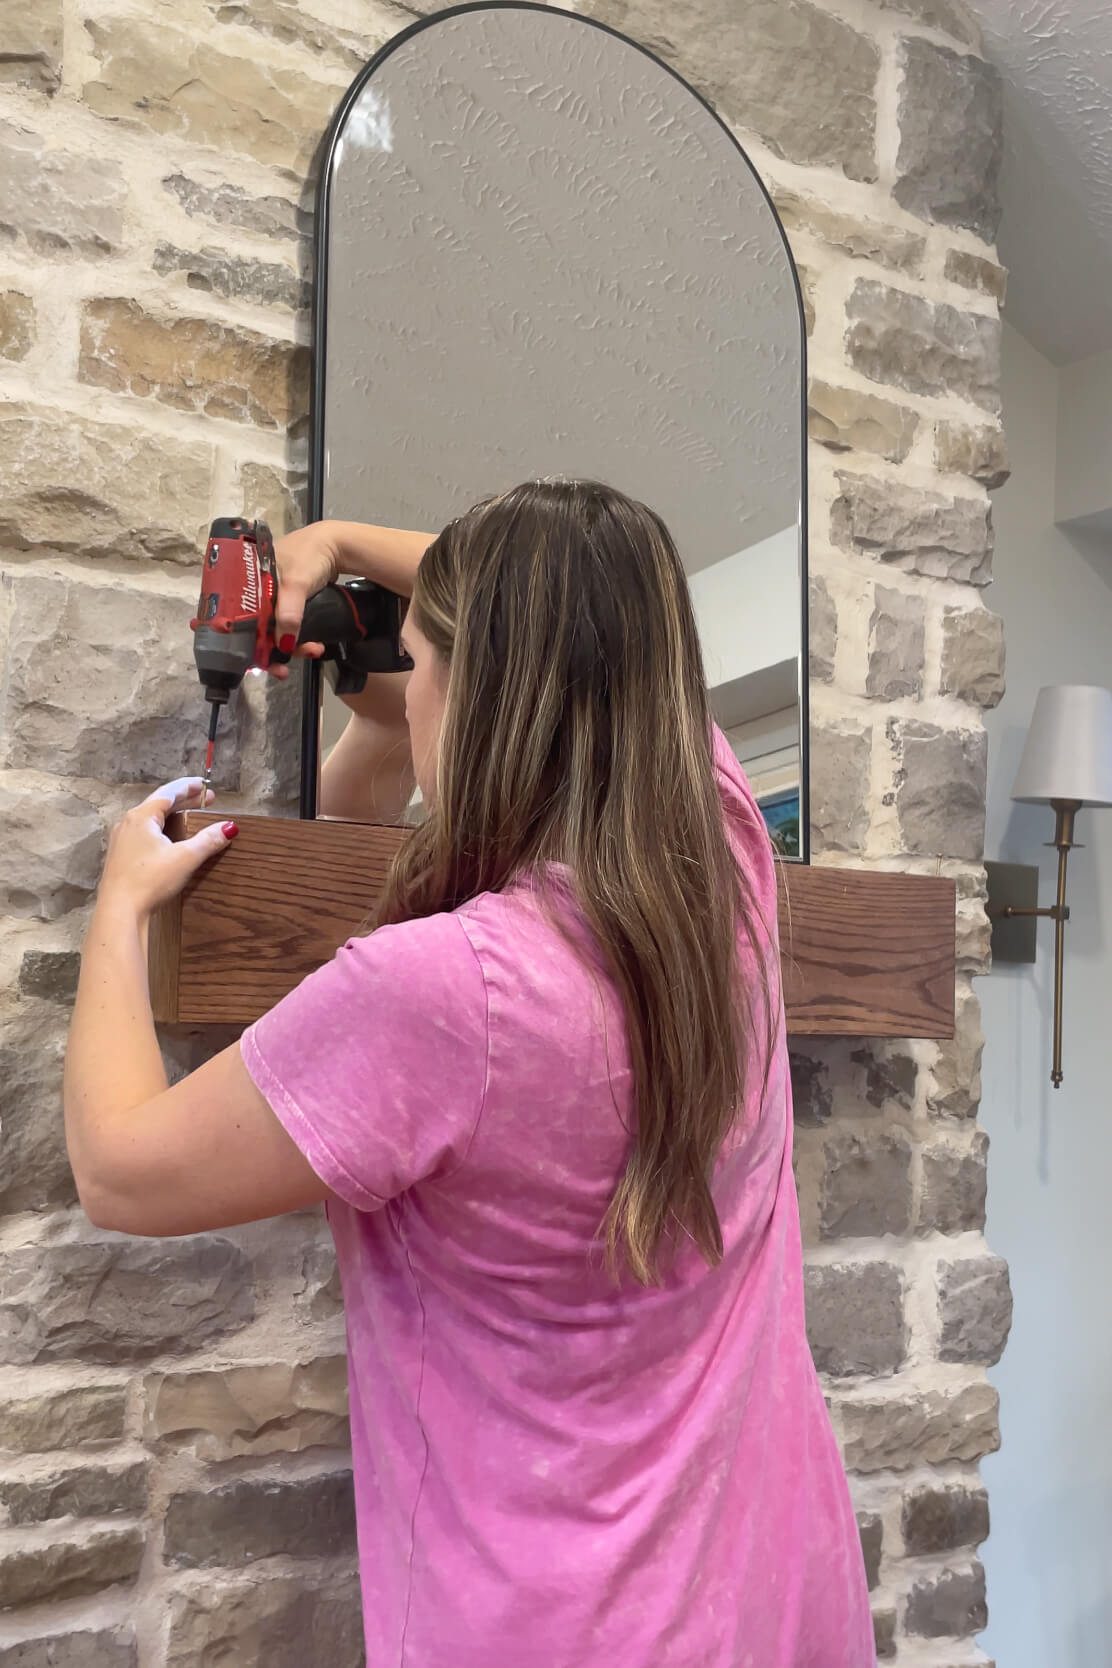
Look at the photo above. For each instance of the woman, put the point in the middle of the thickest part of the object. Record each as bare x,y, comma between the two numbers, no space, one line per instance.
546,1104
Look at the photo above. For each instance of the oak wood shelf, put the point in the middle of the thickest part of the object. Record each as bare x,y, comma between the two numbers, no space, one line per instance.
864,953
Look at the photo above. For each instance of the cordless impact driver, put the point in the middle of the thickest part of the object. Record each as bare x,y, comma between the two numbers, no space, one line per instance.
233,633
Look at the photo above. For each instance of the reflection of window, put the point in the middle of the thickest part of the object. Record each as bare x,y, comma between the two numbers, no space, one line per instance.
781,814
768,751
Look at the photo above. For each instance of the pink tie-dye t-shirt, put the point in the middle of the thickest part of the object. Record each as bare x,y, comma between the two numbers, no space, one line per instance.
554,1469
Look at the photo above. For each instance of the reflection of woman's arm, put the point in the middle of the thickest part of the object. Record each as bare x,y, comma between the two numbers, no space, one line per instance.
368,775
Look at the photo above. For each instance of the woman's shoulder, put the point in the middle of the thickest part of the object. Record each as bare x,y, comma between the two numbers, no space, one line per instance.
428,960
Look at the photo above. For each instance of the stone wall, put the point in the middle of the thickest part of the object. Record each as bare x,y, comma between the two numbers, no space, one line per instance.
173,1485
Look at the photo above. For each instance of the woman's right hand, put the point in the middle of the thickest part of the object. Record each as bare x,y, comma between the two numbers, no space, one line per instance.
307,560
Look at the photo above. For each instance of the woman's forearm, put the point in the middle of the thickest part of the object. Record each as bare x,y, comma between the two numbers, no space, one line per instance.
388,555
113,1062
368,774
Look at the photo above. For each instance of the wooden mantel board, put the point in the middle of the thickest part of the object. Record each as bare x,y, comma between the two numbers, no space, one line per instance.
864,954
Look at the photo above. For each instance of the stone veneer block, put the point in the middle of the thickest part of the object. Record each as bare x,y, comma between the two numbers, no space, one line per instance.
83,1648
280,1623
101,1490
281,218
289,22
855,1317
269,1408
194,364
940,1519
940,792
81,699
802,80
35,1172
955,1186
955,1087
840,763
142,495
80,1415
884,1633
871,1529
55,201
234,277
978,450
866,1188
174,82
897,637
812,1095
278,498
948,1605
974,1310
919,1427
951,138
976,272
857,236
891,1076
972,655
107,1301
320,1290
31,47
50,974
260,1517
920,532
70,1566
927,347
953,17
51,853
845,420
17,324
822,629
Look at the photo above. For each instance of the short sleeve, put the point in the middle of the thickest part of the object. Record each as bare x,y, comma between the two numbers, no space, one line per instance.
376,1064
742,811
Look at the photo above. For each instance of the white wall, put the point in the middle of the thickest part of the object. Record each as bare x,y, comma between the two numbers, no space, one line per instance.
747,609
1083,487
1049,1557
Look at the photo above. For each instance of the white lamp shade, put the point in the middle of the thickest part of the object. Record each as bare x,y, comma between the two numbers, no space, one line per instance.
1069,747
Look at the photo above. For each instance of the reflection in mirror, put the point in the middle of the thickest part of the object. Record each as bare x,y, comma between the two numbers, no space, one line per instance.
541,254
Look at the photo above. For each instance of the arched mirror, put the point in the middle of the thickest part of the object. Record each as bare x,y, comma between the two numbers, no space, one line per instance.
541,253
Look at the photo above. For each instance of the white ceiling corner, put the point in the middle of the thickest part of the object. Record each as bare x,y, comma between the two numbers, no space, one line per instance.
1055,57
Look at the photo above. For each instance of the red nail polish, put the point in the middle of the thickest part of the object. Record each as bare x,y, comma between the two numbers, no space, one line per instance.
230,830
288,643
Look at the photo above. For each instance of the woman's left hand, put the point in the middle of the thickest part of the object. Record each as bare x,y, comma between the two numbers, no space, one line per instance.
143,868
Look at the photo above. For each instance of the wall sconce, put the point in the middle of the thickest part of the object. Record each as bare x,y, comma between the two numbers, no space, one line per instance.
1066,763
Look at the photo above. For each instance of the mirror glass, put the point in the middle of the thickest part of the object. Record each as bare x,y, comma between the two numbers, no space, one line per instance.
540,253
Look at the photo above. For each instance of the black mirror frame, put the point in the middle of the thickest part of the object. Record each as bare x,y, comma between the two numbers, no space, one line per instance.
311,673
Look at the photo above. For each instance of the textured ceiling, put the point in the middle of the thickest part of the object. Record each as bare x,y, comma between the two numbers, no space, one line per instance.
1056,235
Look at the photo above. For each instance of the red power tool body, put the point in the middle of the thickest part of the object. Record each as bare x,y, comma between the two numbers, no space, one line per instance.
233,630
234,624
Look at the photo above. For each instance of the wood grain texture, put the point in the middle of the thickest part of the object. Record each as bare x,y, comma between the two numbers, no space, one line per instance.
276,904
867,954
864,954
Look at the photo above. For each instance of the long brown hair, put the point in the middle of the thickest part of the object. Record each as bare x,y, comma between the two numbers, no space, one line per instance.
576,730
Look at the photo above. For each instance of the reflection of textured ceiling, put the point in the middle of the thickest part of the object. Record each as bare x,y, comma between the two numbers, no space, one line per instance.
546,257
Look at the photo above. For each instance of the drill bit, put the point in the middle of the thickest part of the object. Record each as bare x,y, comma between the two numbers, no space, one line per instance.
207,776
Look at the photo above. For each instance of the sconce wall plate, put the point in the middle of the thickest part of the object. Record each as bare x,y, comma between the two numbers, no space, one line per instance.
1012,886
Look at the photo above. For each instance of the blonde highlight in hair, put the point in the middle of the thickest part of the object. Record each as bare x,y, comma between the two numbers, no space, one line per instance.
576,731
